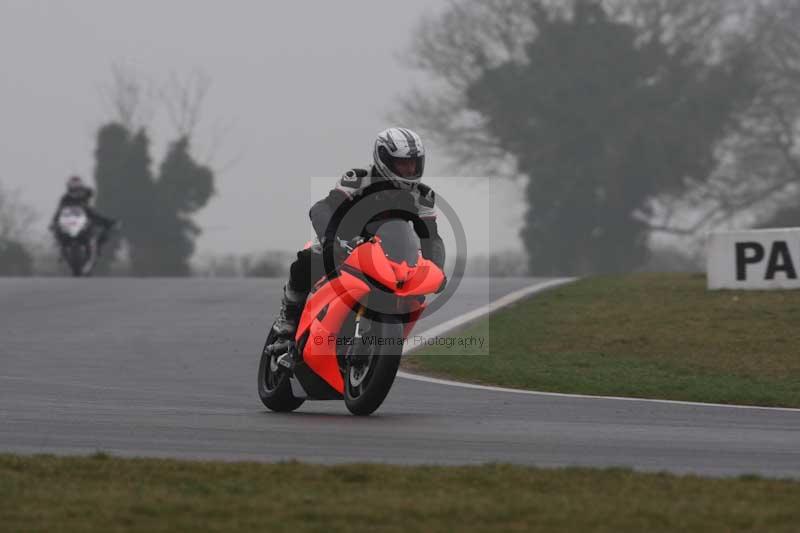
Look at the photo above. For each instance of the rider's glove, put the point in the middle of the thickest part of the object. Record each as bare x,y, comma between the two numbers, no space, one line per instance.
344,248
349,246
339,249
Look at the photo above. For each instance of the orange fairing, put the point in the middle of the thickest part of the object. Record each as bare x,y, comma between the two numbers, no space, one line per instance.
319,353
426,279
404,280
370,259
339,296
346,286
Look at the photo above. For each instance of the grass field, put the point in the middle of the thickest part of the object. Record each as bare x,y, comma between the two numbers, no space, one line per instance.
106,494
655,336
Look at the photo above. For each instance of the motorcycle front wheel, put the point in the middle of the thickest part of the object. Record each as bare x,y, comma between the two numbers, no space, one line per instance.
368,381
76,255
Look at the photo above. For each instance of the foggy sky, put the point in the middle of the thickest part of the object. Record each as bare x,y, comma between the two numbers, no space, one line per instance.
298,90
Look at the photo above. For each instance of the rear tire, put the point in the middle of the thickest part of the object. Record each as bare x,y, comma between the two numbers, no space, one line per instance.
274,387
365,390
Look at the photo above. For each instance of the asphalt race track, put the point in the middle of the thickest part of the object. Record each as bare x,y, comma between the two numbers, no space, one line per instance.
168,368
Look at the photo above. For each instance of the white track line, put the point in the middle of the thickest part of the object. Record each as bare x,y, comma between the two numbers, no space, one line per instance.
484,310
508,299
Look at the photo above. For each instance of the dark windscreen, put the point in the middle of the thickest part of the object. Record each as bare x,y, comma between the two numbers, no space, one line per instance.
398,240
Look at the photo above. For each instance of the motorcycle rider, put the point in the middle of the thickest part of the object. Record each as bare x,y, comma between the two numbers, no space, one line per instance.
388,187
78,194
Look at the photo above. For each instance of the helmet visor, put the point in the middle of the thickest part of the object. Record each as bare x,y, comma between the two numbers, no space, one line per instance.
410,168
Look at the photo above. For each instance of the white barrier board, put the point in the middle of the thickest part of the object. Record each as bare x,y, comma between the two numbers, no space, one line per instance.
754,259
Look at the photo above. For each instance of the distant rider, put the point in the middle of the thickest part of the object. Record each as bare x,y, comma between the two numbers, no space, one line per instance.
78,194
388,187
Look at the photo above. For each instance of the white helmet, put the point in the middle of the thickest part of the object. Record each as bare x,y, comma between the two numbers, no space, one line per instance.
395,149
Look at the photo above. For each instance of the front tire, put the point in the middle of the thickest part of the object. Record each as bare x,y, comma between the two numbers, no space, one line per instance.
366,386
76,258
274,387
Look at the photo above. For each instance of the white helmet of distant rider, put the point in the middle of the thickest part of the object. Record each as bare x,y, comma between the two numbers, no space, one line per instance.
400,156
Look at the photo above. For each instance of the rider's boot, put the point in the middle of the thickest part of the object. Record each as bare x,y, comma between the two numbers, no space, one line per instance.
286,325
291,306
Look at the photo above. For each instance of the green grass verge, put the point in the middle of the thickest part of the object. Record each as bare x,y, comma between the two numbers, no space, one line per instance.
655,336
106,494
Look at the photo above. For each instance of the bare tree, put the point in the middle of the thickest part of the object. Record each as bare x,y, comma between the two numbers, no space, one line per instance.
131,98
476,35
184,97
611,108
758,169
457,48
759,172
135,101
156,206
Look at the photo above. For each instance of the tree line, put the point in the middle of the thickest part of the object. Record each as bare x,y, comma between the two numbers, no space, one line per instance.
628,120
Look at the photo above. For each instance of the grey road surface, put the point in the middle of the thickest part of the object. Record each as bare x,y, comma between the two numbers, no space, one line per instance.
167,368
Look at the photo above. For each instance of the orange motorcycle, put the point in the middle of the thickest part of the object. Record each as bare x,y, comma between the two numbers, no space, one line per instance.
354,325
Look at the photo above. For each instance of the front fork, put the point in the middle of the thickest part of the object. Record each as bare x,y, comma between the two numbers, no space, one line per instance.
359,314
354,355
409,309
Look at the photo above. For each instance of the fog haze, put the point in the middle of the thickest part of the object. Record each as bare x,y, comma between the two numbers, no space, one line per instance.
298,90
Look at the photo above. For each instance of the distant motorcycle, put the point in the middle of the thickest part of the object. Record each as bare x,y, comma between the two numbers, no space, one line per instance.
77,238
351,333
